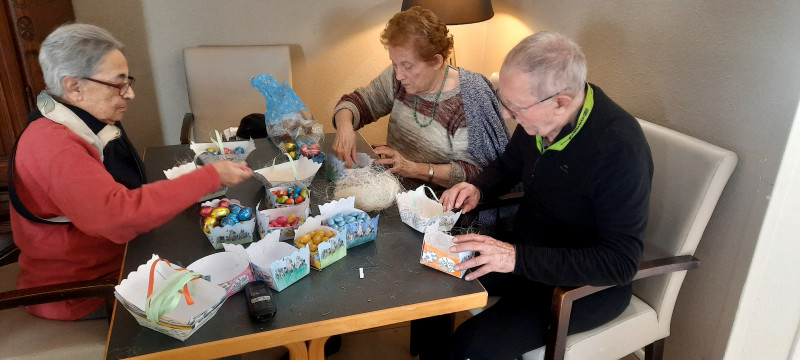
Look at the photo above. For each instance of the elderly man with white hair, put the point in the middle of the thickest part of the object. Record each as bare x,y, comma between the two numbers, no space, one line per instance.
586,170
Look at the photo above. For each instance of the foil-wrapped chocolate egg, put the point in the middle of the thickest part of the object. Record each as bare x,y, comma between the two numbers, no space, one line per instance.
235,208
245,214
220,212
205,211
238,150
224,203
228,151
290,146
209,222
229,220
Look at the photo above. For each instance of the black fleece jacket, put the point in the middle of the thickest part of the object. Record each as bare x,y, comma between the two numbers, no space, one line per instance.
585,207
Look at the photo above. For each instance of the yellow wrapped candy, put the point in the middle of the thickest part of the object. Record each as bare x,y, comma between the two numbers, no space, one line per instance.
220,212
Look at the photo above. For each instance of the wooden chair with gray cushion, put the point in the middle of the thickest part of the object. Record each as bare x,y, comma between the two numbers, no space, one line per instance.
28,337
218,82
689,177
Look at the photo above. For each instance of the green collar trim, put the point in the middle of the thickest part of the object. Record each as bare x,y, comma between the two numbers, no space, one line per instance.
588,104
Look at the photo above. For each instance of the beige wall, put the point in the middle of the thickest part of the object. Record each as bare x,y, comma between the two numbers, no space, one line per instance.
723,71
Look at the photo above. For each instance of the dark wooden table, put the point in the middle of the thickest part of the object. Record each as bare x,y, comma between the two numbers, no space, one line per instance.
396,287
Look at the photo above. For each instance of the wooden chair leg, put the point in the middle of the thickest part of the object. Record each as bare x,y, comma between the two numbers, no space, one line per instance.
654,351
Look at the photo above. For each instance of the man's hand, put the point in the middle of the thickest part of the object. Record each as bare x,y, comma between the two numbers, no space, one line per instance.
495,255
232,173
462,195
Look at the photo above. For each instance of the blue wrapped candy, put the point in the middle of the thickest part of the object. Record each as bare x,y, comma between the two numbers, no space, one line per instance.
245,214
238,150
235,208
229,220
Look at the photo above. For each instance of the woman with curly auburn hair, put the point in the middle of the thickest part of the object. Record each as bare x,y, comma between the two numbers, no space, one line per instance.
445,122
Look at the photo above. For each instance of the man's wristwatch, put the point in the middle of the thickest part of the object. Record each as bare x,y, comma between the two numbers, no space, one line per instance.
430,172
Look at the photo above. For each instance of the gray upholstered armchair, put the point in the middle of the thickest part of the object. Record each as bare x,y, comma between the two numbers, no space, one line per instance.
28,337
218,82
689,177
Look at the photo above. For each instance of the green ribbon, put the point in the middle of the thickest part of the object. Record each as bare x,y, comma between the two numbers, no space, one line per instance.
291,162
218,143
167,296
588,104
420,192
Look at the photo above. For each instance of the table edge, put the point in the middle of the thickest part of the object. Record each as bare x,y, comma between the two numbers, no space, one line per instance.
305,332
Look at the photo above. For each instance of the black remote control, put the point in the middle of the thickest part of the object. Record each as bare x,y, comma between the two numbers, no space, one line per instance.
259,300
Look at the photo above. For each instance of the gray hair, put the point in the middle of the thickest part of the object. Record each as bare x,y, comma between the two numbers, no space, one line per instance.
553,62
73,50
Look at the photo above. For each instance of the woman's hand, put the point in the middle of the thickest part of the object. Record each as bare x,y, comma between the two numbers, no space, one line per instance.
396,163
495,255
344,146
462,195
232,173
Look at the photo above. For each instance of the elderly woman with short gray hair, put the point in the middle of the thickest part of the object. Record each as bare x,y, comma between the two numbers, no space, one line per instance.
77,184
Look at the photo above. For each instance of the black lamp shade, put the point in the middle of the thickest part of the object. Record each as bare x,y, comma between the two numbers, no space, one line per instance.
455,12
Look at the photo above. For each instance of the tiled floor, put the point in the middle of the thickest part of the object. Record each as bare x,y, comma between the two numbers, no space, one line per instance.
386,343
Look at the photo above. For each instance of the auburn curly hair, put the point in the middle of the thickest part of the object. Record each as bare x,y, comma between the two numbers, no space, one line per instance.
421,26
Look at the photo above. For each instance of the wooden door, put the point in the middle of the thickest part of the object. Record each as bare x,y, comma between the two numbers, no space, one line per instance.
25,24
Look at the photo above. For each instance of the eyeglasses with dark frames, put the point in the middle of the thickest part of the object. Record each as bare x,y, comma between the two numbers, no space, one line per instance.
123,88
520,110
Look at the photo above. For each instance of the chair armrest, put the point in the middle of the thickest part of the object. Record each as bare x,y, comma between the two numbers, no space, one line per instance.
102,288
186,127
564,296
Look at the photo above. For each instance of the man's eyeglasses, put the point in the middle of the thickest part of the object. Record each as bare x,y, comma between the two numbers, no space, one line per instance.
123,88
516,110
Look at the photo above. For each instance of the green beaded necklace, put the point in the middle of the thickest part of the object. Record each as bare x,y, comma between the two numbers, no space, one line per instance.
435,101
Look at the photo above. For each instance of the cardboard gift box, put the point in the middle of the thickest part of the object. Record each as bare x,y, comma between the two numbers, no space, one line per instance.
240,233
356,224
299,171
327,252
183,169
337,169
273,199
277,263
286,232
436,251
196,299
201,150
229,269
418,210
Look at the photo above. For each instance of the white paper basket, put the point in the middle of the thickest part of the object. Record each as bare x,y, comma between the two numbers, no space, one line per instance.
418,210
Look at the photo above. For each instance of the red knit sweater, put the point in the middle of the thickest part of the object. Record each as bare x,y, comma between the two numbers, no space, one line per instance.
58,173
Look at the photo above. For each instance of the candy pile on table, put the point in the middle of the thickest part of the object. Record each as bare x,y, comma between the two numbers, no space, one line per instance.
339,221
294,195
286,221
225,214
215,151
313,239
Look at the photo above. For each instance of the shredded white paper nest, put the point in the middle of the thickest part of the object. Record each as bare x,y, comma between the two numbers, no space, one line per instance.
373,187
